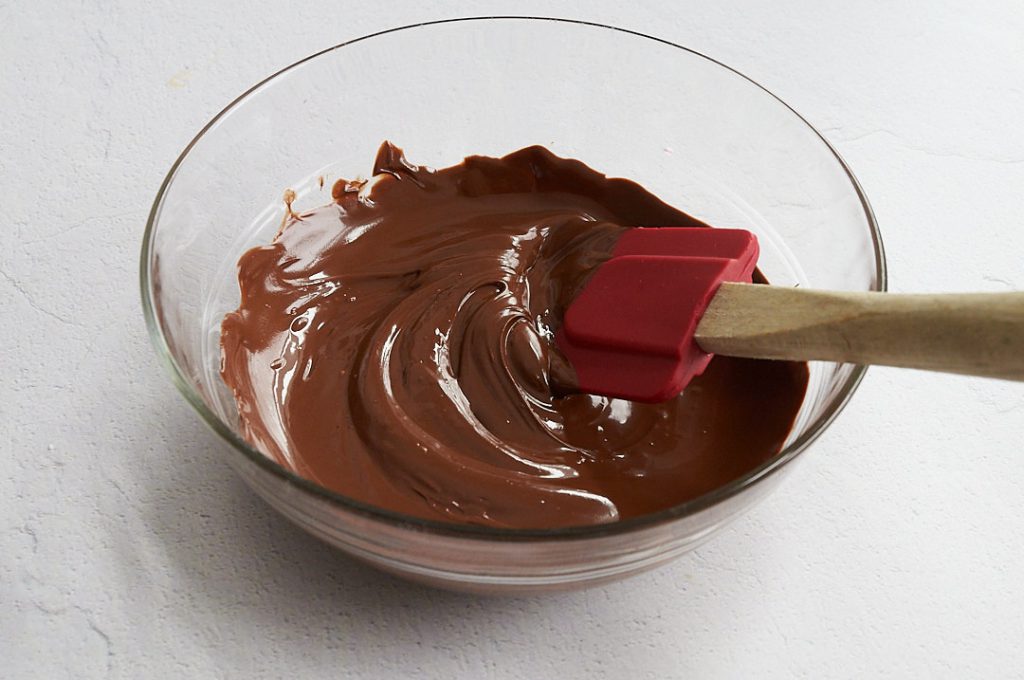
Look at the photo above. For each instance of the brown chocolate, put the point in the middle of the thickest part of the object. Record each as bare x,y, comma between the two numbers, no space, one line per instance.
396,346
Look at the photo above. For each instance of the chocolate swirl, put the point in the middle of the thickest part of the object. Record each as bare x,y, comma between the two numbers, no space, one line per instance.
397,346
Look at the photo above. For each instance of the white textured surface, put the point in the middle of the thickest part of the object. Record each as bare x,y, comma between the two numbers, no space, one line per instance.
126,550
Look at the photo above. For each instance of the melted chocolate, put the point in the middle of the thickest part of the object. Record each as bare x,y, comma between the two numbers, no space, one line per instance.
397,347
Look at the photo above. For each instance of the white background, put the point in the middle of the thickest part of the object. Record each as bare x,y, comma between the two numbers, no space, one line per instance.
128,550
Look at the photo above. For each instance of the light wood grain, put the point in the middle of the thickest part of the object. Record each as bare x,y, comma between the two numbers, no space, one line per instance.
972,334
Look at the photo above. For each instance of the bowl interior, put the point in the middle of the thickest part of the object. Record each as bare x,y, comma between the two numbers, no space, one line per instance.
699,135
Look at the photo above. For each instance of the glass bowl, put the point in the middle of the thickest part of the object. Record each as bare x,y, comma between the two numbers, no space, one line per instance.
698,134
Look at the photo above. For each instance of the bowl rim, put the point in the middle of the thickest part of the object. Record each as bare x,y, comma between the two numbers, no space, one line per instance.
400,520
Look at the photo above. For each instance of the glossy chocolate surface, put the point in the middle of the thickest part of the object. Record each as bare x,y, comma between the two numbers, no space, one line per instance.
396,346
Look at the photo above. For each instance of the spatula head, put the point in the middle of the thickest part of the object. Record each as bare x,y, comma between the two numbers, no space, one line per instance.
629,333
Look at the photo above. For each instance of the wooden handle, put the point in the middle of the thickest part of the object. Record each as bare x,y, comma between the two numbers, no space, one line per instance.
972,334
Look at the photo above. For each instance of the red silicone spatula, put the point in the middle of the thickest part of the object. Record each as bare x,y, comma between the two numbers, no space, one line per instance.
651,317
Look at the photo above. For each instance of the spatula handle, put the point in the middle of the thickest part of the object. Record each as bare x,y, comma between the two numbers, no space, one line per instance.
972,334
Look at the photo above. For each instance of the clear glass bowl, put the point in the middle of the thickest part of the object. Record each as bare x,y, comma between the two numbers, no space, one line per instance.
697,133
